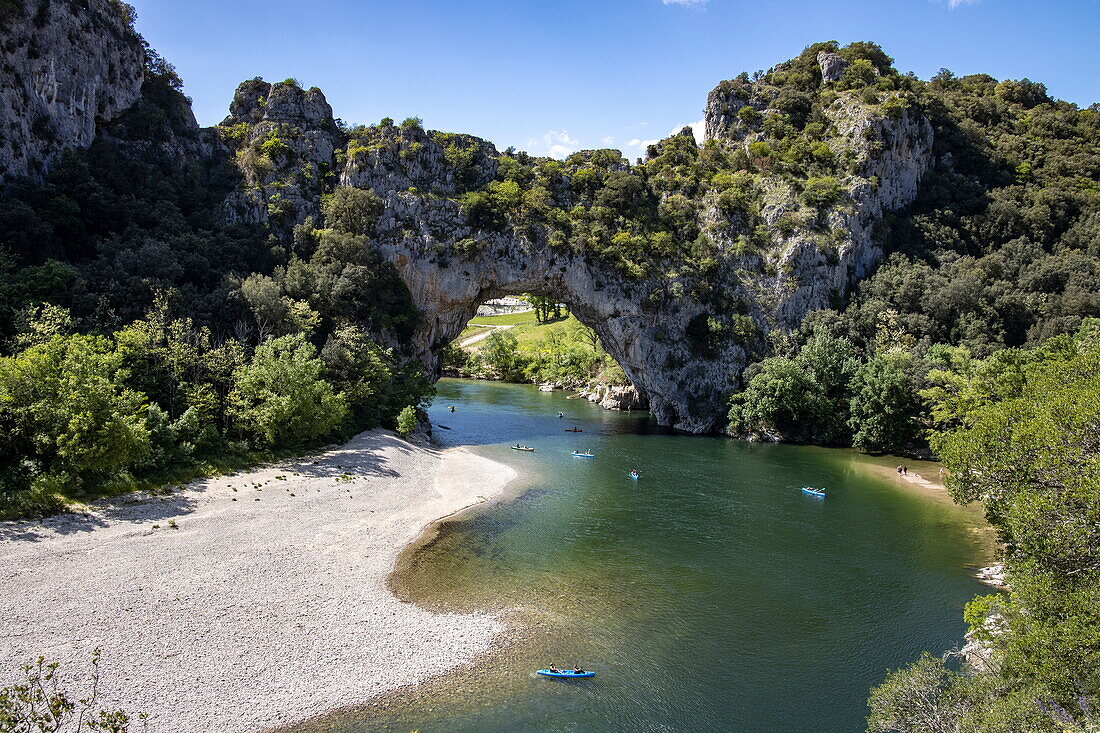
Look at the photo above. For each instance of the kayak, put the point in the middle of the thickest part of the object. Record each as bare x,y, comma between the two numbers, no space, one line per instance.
565,674
583,455
635,476
516,447
574,430
814,492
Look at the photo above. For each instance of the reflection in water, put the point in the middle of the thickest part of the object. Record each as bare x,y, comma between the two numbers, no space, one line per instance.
710,595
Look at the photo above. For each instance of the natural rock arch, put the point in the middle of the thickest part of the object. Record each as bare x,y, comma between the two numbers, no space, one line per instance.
640,326
682,337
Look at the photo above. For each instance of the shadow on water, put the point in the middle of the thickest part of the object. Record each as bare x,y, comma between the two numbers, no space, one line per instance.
710,595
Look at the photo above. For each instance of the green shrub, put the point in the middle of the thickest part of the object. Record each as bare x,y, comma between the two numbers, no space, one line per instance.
66,407
406,420
352,210
821,191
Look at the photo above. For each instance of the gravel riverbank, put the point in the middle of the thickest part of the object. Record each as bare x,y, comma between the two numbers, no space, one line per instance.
248,601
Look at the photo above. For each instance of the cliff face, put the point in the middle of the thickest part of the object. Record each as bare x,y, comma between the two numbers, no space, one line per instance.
66,68
284,139
816,253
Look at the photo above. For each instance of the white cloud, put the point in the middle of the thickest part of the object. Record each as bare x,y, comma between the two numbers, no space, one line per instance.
553,143
608,140
699,129
639,146
956,3
693,3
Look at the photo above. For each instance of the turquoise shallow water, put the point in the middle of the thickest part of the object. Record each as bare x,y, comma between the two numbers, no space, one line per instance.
710,595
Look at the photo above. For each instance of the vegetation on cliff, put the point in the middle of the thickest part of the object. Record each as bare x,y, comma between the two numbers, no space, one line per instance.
1001,249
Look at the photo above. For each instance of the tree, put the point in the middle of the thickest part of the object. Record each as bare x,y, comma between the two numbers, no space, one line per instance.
802,398
545,307
281,398
501,356
363,372
352,210
885,409
67,408
916,700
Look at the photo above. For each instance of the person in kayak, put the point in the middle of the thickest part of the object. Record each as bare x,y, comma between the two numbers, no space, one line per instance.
554,669
561,414
577,670
452,408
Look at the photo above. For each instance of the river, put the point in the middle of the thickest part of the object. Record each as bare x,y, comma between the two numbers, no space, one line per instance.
712,594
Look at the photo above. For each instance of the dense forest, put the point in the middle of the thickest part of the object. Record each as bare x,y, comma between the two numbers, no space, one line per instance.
147,340
1020,432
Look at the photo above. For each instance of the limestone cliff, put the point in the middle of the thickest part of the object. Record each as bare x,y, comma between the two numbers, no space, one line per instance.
284,139
816,253
67,67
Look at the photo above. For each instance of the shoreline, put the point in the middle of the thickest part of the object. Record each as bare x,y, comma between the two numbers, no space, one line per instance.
250,601
925,479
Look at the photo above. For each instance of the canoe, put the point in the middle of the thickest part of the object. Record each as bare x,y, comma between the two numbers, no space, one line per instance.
565,674
574,430
583,455
814,492
516,447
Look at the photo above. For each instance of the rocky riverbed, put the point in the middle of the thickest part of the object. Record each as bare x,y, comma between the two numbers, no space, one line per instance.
247,601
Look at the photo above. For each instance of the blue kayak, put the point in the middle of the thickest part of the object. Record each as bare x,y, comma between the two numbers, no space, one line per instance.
565,674
635,476
583,455
813,492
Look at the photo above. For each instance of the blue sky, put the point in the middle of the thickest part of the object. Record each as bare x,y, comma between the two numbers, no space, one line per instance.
552,76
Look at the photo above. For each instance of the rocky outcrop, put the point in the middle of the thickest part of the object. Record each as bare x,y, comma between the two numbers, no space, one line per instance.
67,67
832,65
725,101
616,397
284,139
382,161
817,253
993,575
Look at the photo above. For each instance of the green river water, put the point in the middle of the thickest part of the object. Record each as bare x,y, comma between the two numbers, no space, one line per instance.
711,595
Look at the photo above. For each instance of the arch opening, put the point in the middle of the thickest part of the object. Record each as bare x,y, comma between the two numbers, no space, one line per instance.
537,339
645,326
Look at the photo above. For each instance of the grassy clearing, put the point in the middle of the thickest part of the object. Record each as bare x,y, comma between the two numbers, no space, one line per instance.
508,319
471,331
567,327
